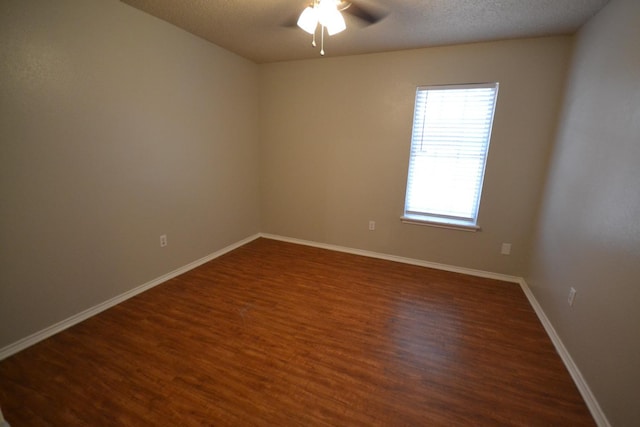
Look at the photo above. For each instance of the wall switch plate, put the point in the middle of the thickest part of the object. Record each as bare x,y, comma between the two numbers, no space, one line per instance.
572,296
372,225
163,240
506,249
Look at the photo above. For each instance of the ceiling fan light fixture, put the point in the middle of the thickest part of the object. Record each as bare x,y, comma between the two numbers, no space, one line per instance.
334,22
330,17
308,20
325,13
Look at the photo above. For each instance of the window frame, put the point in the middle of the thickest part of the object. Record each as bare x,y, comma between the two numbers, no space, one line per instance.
436,219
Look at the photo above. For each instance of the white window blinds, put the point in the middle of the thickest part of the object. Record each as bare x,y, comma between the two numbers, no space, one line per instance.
449,146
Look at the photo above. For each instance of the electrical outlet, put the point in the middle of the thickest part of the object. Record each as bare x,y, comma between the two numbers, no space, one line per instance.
572,296
163,240
506,249
372,225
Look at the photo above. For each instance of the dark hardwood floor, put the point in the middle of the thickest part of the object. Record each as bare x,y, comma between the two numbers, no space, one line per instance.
276,334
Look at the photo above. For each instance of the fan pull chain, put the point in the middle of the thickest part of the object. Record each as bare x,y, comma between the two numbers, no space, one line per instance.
322,41
313,39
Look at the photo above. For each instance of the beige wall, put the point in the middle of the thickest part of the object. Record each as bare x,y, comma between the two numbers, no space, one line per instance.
589,228
335,137
115,128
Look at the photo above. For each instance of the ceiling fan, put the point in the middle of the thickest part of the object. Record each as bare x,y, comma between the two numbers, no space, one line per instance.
327,14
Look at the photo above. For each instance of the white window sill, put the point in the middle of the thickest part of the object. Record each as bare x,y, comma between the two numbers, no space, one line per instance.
432,221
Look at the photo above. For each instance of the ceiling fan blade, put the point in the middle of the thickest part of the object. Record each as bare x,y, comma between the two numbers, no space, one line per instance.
366,13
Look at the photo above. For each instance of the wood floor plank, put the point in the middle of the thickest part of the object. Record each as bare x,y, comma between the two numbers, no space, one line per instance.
280,334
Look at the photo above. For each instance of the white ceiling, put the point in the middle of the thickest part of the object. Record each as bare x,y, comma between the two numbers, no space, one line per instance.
257,30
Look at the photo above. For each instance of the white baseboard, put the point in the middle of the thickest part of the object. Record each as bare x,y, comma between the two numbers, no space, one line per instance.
596,411
77,318
412,261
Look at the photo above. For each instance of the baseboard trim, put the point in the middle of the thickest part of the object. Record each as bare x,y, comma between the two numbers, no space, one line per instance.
404,260
45,333
593,405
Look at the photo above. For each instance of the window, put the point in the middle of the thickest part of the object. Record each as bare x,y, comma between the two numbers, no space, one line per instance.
449,146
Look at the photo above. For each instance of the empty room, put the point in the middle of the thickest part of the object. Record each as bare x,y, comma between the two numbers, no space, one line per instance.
319,213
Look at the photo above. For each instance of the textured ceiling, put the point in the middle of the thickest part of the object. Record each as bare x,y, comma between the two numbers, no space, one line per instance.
257,30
